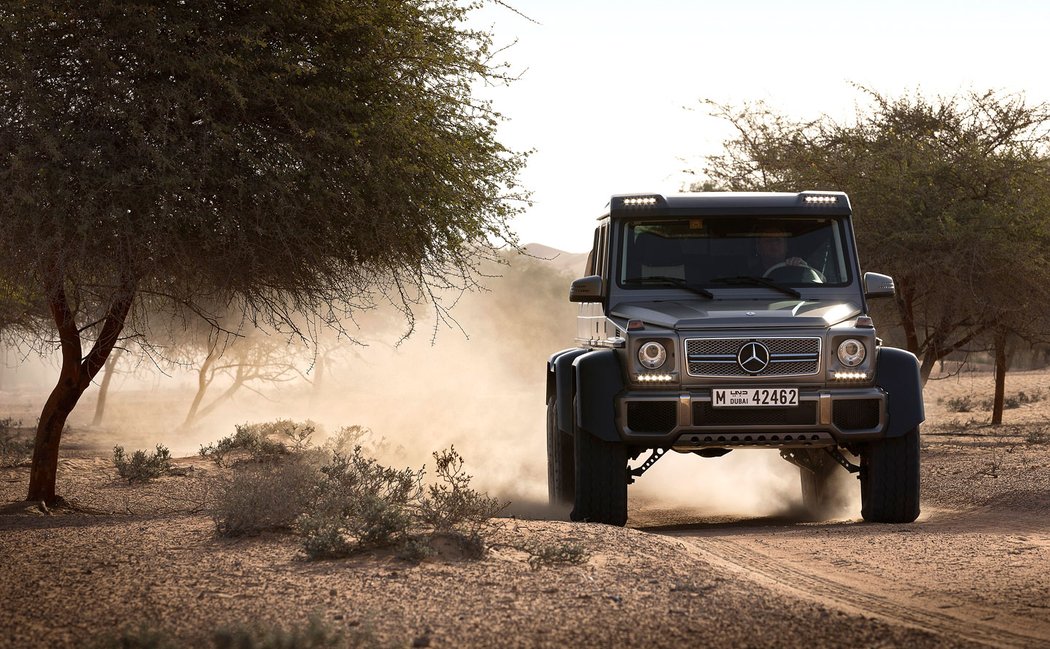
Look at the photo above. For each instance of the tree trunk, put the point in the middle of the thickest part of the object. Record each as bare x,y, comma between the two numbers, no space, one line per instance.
1001,361
204,379
103,390
74,377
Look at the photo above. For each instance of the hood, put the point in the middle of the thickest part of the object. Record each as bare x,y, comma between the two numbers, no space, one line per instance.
701,314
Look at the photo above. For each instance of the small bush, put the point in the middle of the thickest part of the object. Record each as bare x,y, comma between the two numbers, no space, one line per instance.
567,553
141,467
359,504
1037,436
257,443
960,404
450,504
14,451
261,497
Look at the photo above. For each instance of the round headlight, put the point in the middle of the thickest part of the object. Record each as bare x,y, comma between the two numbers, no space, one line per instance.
652,355
852,352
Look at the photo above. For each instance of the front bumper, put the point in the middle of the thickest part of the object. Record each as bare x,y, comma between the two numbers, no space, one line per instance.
686,420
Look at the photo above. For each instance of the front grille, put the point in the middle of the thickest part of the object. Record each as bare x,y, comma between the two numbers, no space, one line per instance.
787,356
652,416
804,414
856,414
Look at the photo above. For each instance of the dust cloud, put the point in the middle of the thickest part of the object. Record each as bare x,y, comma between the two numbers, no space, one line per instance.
481,391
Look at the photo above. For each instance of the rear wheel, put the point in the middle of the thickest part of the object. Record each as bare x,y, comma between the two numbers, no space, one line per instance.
560,469
889,479
601,480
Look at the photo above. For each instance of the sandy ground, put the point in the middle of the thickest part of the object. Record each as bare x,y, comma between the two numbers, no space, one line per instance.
973,571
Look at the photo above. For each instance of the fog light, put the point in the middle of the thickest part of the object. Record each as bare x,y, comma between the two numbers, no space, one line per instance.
850,376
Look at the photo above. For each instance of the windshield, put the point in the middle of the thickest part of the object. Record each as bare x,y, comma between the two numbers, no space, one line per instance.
730,251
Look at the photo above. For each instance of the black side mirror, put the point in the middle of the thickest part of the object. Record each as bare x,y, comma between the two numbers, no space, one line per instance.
876,285
586,289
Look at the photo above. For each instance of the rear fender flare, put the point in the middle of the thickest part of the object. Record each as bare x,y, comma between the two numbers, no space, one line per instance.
560,379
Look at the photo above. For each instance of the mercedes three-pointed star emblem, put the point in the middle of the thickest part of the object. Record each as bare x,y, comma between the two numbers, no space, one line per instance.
753,357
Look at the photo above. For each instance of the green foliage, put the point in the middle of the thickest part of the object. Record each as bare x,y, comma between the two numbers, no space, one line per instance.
950,195
286,154
14,449
141,467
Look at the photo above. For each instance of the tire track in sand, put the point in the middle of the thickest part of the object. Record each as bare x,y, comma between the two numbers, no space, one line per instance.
867,596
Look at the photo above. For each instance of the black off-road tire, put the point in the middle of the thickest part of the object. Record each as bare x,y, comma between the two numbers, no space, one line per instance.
889,479
561,472
601,481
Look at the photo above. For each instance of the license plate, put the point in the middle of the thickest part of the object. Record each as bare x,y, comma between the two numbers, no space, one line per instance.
754,397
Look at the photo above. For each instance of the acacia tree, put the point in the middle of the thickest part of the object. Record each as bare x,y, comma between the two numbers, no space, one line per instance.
951,197
292,160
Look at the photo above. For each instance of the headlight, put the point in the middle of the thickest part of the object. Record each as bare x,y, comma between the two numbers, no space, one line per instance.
852,352
652,355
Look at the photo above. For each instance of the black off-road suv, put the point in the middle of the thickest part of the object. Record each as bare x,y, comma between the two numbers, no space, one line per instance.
718,321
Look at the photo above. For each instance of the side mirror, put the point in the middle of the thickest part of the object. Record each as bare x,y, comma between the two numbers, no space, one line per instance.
586,289
876,285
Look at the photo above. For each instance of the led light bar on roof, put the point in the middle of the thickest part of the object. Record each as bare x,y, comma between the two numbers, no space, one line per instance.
636,201
821,200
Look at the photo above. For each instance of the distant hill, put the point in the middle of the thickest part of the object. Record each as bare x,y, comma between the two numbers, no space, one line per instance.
570,262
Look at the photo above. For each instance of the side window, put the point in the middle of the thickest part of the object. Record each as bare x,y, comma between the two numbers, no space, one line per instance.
602,258
593,255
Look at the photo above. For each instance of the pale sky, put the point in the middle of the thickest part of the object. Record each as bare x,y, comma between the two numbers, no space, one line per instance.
607,85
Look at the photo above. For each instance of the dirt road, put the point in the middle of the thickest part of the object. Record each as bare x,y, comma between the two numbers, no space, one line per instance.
978,576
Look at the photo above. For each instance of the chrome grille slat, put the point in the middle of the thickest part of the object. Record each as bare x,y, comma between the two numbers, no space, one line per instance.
789,356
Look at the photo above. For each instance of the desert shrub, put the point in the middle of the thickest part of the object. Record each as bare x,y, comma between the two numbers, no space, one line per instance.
141,467
358,504
547,554
362,504
960,404
265,496
347,438
450,504
260,442
14,450
1037,436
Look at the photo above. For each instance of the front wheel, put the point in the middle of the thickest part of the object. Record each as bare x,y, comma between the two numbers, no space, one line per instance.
601,480
560,469
889,479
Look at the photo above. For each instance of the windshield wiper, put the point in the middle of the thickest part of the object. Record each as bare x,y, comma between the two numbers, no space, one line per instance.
674,281
758,281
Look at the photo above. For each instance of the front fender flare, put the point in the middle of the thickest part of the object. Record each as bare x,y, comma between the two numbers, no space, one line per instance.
598,382
897,373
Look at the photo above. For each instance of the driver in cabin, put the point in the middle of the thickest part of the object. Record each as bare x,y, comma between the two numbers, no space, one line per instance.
772,248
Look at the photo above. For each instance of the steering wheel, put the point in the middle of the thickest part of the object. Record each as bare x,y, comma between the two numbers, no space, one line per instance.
806,272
